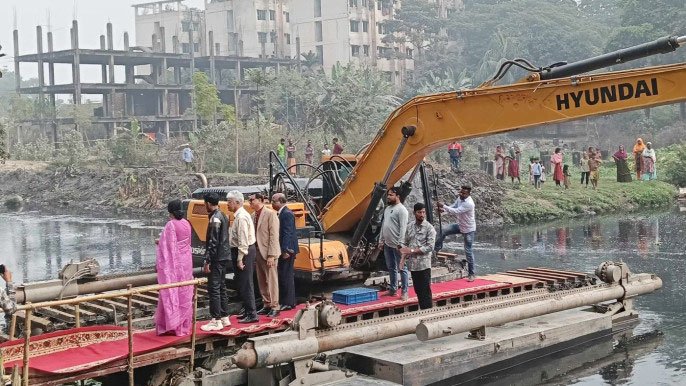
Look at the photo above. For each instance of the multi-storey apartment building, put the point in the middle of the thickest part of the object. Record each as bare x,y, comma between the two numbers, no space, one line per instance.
246,28
351,31
172,25
254,28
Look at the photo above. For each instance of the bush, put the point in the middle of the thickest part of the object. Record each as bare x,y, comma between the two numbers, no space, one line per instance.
671,161
39,150
71,152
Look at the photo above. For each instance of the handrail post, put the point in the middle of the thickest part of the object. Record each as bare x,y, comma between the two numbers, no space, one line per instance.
27,338
195,316
130,334
13,326
77,315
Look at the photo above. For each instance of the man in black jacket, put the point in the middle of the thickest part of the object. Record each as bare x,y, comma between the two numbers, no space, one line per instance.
288,241
217,257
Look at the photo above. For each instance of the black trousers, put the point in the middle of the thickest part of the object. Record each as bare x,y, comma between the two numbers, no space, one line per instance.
244,278
216,287
286,281
584,176
421,281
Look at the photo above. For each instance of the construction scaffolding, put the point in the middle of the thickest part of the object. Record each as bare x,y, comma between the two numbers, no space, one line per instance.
156,91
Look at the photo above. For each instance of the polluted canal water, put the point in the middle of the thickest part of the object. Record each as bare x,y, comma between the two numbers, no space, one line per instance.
37,246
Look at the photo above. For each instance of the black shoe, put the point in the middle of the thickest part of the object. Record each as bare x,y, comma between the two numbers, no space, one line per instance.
264,311
248,319
286,308
273,313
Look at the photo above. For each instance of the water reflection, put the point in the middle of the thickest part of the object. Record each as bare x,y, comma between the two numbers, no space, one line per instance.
647,242
36,247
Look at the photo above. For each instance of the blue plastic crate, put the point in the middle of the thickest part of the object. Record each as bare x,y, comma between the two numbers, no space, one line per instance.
355,295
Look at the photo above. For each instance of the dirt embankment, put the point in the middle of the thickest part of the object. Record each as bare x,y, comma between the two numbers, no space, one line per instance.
131,192
143,192
488,194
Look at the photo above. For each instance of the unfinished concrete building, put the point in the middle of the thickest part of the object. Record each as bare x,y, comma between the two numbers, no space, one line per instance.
155,89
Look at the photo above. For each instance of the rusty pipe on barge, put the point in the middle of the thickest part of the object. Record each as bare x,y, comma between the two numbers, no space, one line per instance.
48,290
289,346
440,326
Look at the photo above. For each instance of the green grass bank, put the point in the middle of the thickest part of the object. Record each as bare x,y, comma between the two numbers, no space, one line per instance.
523,204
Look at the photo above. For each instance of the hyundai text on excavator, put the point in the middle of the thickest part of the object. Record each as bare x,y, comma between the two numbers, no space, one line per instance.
338,220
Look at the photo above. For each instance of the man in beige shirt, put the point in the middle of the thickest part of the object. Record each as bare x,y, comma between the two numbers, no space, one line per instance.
243,251
268,249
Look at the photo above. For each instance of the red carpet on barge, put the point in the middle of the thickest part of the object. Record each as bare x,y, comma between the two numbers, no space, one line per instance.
80,349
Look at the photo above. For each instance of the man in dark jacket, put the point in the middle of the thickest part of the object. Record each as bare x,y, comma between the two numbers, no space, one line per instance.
288,241
217,257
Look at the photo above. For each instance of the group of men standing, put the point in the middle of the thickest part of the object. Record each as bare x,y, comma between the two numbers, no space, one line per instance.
410,246
260,246
286,153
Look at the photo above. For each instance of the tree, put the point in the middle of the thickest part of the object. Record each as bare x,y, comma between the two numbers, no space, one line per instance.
644,21
259,79
206,97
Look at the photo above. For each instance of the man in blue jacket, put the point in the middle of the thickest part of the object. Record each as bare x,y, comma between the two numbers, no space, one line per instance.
288,240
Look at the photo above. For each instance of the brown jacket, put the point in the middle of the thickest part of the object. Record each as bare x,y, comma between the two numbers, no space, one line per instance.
267,233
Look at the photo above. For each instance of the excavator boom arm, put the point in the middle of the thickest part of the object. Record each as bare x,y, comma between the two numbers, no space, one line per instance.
442,118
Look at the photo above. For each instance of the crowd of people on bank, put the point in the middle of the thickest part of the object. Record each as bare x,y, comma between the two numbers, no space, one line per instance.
262,247
589,165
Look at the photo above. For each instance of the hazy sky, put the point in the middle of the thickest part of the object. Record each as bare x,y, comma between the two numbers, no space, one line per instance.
92,15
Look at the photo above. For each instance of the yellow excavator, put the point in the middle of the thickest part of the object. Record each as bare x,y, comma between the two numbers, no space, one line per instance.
338,220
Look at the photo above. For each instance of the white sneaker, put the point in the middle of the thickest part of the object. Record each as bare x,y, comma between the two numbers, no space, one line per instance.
226,322
213,325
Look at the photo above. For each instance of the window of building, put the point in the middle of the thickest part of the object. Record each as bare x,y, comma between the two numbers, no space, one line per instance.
365,50
317,8
354,26
382,51
378,5
185,48
261,37
320,54
272,14
318,31
381,28
353,3
409,52
272,37
365,3
288,38
365,26
355,49
288,17
261,14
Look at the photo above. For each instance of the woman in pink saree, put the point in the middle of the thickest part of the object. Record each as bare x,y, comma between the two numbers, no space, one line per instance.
556,159
174,313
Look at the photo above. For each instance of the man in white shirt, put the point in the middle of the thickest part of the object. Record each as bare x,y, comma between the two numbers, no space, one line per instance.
463,207
187,157
243,251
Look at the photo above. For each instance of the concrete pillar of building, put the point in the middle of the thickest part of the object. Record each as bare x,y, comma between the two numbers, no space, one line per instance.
41,76
76,64
213,68
155,46
126,41
17,74
163,39
297,55
175,44
103,67
51,82
110,37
